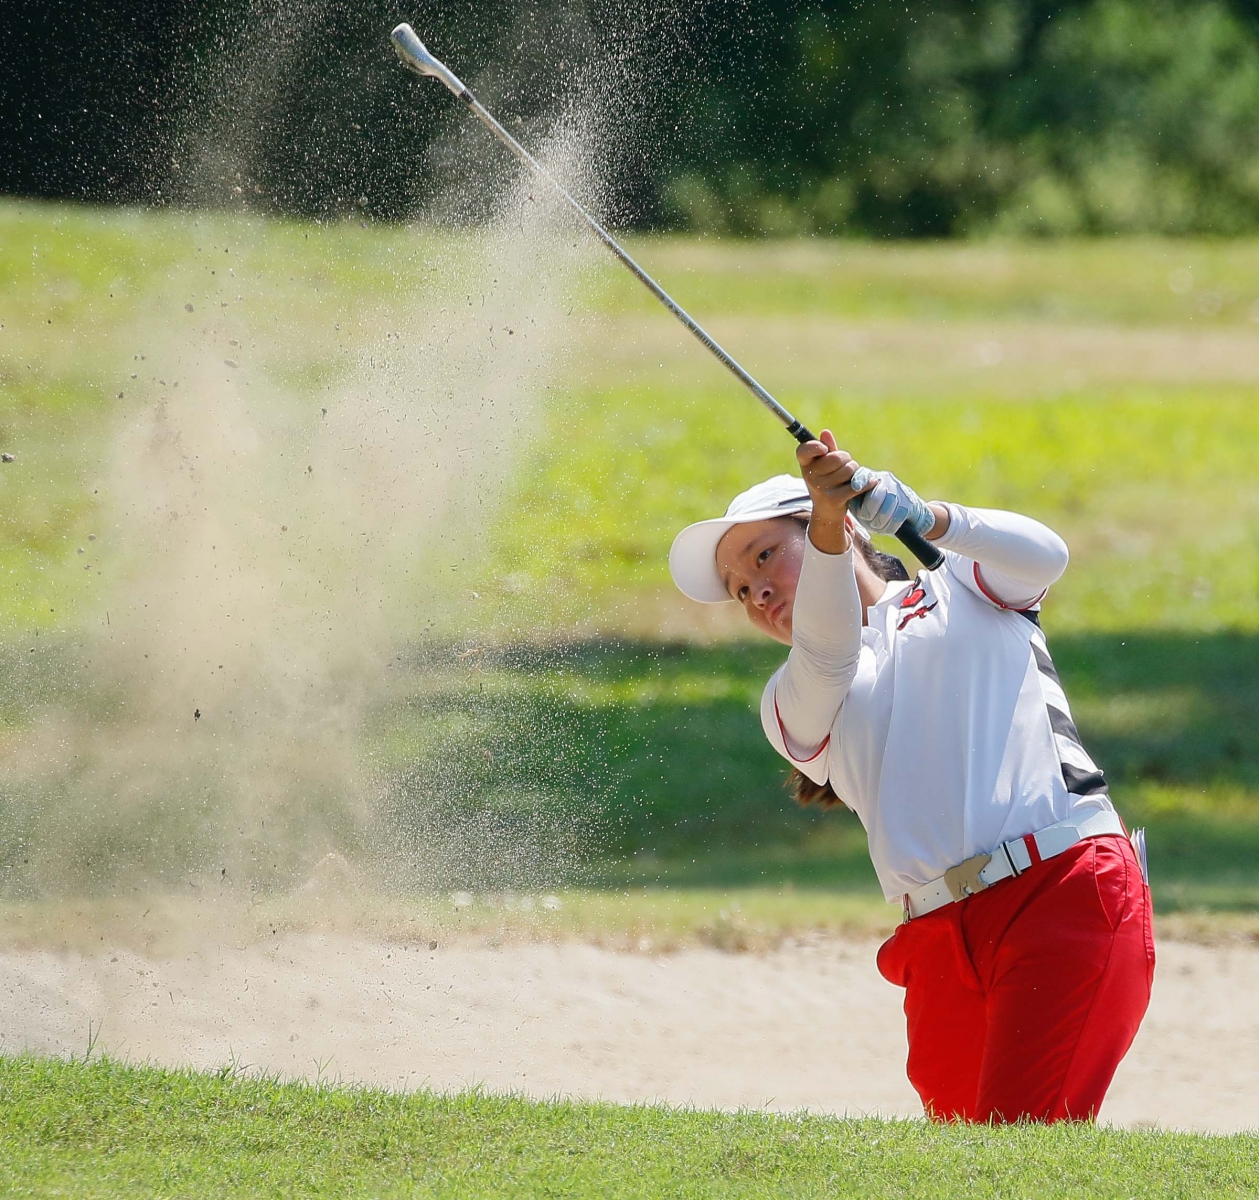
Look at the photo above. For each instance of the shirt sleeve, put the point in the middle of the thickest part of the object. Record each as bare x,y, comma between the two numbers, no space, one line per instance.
1009,559
802,699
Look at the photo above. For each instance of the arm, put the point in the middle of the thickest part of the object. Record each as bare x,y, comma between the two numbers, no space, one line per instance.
805,695
803,698
1013,559
1016,557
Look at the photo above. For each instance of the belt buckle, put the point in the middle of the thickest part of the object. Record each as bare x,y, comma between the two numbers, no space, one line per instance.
963,880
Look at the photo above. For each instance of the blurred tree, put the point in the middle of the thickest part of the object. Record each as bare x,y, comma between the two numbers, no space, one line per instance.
946,117
922,118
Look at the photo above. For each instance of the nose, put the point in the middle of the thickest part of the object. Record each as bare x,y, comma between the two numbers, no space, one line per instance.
762,593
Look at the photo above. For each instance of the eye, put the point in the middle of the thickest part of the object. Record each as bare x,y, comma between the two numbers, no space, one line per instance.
741,594
764,554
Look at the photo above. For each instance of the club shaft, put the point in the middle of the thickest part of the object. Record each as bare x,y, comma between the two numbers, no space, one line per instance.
929,555
794,427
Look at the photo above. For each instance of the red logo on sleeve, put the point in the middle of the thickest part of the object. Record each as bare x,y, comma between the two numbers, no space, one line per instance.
913,598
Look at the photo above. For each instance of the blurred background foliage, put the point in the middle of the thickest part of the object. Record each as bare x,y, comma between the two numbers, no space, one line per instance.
922,119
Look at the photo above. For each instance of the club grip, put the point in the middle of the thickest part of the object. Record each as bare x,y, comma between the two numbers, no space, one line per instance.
913,541
910,538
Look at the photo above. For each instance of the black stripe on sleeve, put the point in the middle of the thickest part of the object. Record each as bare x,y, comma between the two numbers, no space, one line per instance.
1045,664
1083,783
1063,725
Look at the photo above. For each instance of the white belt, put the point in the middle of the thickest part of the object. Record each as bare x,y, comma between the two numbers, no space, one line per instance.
1006,861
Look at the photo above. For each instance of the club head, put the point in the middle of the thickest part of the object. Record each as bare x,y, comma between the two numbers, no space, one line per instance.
415,55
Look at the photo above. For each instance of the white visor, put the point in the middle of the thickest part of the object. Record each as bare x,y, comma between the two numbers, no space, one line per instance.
693,555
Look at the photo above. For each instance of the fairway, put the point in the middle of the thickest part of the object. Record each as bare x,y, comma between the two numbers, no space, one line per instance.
1068,380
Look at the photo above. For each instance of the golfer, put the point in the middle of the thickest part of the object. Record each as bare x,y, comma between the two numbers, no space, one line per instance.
931,708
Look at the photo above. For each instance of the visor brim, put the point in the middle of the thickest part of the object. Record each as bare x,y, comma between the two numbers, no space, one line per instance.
693,555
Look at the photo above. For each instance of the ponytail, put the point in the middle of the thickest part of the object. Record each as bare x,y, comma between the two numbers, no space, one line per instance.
805,792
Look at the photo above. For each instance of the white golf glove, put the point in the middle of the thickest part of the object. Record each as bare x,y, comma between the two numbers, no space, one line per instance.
889,504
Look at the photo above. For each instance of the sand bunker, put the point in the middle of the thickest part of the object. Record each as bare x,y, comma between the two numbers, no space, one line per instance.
810,1025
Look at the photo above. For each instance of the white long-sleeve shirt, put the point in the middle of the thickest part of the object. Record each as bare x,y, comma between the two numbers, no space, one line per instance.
941,721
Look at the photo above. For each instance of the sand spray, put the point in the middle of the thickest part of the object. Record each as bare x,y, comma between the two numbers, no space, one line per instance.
274,543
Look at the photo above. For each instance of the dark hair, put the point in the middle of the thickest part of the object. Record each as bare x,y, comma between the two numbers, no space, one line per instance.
886,566
803,790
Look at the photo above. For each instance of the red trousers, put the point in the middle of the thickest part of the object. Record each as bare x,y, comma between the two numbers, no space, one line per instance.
1022,1000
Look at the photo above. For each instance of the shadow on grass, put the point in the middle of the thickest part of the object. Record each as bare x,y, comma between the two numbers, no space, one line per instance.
1176,708
658,748
639,762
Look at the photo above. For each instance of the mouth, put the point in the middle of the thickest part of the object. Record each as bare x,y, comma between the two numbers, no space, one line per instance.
776,613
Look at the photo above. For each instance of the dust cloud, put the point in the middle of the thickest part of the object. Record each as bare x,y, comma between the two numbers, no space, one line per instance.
274,545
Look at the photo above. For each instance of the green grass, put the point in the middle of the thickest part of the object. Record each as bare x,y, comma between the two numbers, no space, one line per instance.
655,748
652,919
643,920
1110,388
1123,282
100,1129
623,470
646,432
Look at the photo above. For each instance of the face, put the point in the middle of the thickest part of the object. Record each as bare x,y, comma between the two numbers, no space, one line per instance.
759,563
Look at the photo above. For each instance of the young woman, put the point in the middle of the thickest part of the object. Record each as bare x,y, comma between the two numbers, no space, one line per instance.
931,708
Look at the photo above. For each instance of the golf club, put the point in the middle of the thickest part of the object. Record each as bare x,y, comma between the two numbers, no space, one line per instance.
415,55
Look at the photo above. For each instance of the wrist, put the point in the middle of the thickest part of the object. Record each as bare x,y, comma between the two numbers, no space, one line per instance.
829,536
941,527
